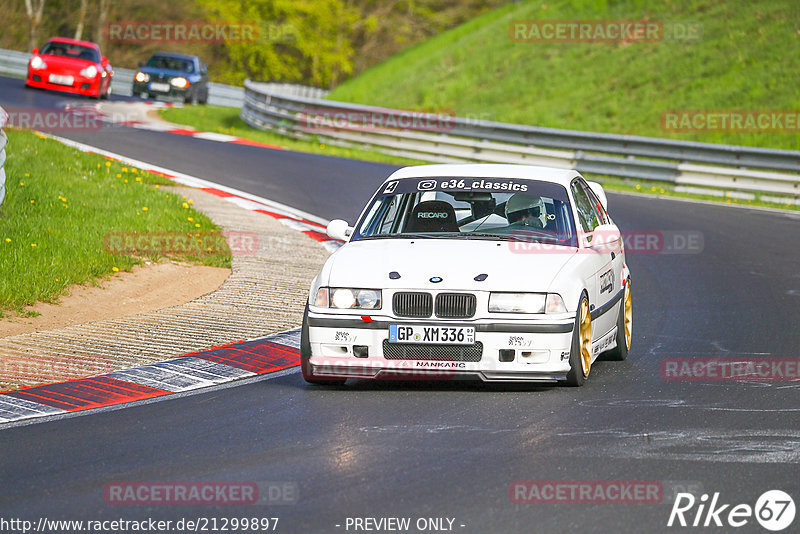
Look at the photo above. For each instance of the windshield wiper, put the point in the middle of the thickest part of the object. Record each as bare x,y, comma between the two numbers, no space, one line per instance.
413,236
481,235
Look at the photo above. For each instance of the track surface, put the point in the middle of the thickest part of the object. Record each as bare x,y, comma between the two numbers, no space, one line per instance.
452,449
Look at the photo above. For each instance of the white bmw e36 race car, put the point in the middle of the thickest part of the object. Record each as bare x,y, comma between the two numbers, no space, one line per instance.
500,272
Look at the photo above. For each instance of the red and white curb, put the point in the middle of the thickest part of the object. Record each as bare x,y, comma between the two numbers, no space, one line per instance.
311,225
263,356
134,115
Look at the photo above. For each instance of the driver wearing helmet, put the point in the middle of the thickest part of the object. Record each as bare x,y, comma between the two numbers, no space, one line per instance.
526,210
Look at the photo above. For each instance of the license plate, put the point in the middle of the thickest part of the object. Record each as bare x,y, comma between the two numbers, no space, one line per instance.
160,87
440,335
61,80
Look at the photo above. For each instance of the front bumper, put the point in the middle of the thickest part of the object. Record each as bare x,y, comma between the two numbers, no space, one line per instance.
535,350
174,93
80,85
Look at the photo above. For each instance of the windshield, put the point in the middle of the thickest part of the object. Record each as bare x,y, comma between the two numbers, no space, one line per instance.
70,50
171,63
470,208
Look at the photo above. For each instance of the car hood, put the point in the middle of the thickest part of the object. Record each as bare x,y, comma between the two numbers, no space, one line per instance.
457,262
66,63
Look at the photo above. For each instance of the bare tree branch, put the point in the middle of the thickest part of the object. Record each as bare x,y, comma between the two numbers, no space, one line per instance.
34,10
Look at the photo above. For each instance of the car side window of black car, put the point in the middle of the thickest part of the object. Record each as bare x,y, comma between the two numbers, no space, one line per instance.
583,205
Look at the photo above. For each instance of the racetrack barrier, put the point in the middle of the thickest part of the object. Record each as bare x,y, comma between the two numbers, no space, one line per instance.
705,168
3,143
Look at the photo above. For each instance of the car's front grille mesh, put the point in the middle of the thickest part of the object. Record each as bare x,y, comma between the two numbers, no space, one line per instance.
412,304
449,353
455,305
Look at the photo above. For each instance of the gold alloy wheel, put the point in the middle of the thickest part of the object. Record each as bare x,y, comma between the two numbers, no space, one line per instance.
628,315
586,338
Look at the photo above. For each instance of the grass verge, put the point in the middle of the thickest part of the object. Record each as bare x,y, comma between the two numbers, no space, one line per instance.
735,57
60,206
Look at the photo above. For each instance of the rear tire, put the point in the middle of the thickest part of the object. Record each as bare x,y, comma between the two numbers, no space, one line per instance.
580,353
624,326
305,357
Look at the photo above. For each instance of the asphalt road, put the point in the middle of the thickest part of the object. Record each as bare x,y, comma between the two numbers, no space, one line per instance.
452,449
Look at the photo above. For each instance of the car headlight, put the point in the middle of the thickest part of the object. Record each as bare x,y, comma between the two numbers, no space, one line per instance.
89,72
179,82
517,302
142,77
348,298
526,303
38,63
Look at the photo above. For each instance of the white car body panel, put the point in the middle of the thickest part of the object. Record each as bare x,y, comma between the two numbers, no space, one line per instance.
541,341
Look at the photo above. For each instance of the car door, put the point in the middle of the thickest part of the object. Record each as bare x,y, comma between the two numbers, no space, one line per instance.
613,279
597,262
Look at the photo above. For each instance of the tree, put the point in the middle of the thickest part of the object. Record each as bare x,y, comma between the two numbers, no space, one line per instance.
81,19
306,41
102,22
34,10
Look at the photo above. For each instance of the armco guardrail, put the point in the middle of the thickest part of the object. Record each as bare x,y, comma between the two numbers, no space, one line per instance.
16,64
3,143
686,164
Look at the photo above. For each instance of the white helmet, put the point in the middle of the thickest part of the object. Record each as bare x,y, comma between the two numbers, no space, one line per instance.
527,210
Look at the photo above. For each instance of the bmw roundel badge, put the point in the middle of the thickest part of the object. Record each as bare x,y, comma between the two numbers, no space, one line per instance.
436,279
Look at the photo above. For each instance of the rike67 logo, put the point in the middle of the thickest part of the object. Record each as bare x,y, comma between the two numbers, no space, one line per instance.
774,510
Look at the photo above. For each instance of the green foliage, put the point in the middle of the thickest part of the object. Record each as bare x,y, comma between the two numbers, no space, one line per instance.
300,40
747,58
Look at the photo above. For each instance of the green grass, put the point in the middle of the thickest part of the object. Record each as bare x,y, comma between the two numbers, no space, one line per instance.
747,59
60,204
226,120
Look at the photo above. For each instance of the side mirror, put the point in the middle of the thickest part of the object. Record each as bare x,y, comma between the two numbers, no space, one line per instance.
104,60
606,238
597,189
339,229
35,51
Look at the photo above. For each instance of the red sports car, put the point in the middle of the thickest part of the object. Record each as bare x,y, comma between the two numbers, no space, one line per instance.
71,66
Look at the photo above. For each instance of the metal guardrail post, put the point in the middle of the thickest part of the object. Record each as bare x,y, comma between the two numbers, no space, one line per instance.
3,143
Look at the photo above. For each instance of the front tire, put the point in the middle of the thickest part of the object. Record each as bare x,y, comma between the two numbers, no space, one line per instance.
305,357
580,354
624,326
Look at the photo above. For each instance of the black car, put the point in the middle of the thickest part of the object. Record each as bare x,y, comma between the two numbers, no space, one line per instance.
173,77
